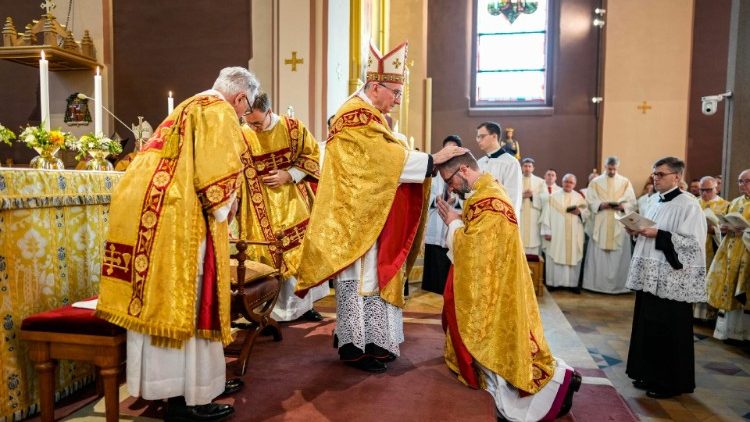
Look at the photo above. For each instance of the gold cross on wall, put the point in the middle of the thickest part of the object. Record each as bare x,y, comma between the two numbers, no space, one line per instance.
294,61
644,107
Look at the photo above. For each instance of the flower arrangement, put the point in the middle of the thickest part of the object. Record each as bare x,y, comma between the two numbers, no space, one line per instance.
90,142
42,139
6,135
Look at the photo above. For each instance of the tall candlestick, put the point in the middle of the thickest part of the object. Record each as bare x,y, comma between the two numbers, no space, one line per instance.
44,91
170,103
98,112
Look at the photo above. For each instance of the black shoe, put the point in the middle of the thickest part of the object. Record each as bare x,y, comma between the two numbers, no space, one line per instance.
575,385
640,384
203,413
367,363
379,353
655,394
312,315
232,386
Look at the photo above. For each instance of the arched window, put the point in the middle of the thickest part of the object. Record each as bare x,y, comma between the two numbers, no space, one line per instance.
512,53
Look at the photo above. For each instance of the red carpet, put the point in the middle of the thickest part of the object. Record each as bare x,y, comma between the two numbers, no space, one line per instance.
301,379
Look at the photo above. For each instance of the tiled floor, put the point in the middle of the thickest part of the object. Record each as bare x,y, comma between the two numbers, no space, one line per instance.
722,371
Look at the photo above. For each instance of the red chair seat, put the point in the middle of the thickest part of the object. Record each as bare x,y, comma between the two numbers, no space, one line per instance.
68,319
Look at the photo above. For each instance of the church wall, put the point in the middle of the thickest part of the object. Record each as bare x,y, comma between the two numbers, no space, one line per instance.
262,61
564,139
738,141
337,59
708,77
648,50
408,20
158,47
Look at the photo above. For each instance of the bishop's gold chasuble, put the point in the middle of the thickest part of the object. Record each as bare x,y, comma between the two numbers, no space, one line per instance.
360,201
729,276
282,213
490,313
160,212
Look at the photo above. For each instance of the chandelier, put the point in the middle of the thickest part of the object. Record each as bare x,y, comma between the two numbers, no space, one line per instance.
511,9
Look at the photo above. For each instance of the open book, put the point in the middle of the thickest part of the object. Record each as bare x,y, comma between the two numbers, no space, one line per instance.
734,220
711,216
634,221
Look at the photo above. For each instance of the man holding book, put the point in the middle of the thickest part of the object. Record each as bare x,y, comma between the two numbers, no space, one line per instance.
608,254
729,276
668,273
714,207
562,226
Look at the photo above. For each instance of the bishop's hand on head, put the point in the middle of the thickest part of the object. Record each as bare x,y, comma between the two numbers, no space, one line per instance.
447,153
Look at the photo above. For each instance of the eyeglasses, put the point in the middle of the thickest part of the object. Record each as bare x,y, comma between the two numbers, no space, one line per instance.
259,125
659,174
743,181
707,189
249,107
481,136
448,180
396,92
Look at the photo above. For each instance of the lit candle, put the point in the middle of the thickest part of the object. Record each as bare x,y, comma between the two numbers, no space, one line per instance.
170,103
44,90
98,112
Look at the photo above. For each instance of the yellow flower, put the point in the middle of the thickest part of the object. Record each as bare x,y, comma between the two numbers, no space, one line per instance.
56,137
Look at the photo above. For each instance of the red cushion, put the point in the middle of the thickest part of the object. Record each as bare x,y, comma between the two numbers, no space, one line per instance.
532,258
70,320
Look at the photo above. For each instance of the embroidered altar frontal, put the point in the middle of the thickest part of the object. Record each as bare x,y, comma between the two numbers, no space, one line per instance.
52,229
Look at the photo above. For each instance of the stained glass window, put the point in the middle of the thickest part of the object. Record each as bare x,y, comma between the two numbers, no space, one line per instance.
512,48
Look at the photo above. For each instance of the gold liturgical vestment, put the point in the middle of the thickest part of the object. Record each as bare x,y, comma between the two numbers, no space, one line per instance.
353,201
267,213
719,206
160,212
729,276
494,306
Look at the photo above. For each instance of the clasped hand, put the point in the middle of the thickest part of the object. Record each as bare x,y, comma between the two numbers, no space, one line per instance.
277,178
446,212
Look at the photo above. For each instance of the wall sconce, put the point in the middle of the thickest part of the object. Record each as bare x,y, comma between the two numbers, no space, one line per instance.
597,100
599,17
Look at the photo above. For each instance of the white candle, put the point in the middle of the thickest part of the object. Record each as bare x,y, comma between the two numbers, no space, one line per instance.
98,112
44,91
170,103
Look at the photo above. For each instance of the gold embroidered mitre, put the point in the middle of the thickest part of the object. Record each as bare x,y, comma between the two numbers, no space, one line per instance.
389,67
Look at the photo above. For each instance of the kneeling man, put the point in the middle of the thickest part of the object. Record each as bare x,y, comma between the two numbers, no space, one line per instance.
495,339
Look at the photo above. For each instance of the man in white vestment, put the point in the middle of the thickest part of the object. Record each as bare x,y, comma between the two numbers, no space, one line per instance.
562,226
531,208
499,163
550,187
608,254
668,273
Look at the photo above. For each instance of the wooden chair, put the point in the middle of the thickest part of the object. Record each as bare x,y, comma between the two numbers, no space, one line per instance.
75,334
536,266
255,288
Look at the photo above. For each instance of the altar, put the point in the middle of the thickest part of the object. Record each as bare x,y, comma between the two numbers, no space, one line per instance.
53,225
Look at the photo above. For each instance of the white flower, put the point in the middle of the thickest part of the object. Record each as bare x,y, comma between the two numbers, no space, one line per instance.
29,139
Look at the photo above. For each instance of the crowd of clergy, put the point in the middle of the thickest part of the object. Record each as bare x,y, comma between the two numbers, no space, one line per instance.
224,156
